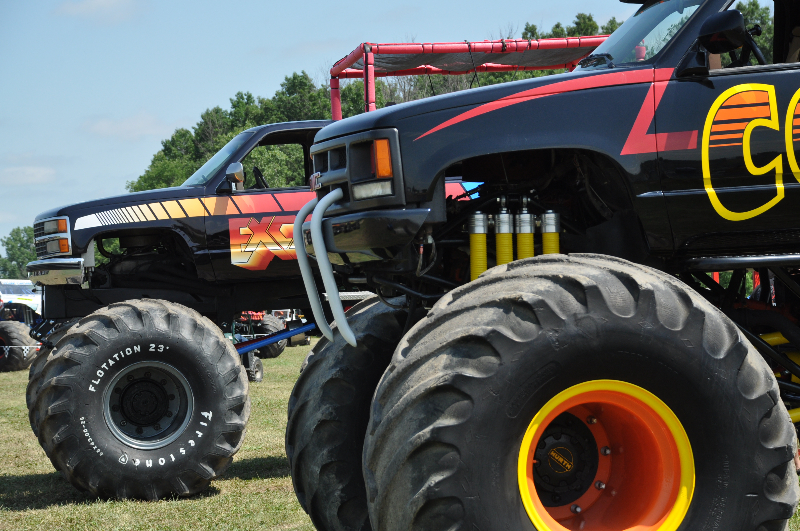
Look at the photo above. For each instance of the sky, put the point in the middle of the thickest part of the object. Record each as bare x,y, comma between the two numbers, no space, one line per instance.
90,88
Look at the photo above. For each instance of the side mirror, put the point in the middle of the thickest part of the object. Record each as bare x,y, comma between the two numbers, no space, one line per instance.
723,32
235,173
694,63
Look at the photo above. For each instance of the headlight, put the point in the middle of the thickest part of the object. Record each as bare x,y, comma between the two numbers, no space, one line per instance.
373,189
55,226
58,246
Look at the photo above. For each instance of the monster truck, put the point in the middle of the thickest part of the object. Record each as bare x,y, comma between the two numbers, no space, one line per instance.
137,393
141,395
555,354
19,304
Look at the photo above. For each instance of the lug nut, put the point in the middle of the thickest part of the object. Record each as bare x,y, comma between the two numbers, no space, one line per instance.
157,427
147,375
599,485
169,413
130,377
172,397
117,390
591,420
575,509
139,431
163,382
605,450
115,408
123,423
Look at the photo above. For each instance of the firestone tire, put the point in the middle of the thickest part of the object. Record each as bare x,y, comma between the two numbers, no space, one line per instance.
144,399
23,348
451,416
328,415
35,371
269,325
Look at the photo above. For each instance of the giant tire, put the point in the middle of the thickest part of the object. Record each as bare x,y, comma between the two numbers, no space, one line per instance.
35,371
150,365
445,442
328,415
16,335
269,325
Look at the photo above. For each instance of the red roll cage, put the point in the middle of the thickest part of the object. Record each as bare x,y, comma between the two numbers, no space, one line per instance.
369,60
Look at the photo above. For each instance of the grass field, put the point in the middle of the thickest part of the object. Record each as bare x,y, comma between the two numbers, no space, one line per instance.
255,493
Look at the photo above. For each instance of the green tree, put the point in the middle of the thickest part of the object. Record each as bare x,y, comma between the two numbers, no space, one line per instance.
530,32
583,25
754,14
185,151
557,31
610,26
19,251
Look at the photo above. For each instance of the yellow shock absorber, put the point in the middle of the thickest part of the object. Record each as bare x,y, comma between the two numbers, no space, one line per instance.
477,244
551,227
504,241
524,229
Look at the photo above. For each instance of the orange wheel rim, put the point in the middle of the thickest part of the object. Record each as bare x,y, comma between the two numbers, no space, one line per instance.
644,476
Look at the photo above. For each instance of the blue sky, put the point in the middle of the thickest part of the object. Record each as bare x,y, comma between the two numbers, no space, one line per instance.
91,87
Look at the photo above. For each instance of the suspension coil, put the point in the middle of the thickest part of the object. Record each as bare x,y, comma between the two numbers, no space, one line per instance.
551,227
478,223
524,228
504,241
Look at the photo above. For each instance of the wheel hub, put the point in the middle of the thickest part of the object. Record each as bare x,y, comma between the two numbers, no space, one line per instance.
144,402
148,405
565,461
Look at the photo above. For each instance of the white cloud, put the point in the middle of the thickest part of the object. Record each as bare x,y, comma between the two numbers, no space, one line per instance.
100,11
26,175
131,128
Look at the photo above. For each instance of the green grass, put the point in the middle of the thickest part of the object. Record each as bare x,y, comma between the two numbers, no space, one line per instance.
255,493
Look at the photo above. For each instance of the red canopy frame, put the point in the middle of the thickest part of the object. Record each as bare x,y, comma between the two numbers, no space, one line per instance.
368,61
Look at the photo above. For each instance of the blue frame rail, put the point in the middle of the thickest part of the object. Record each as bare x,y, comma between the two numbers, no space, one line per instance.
247,346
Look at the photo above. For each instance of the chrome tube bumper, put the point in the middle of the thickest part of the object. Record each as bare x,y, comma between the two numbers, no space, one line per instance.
325,269
56,271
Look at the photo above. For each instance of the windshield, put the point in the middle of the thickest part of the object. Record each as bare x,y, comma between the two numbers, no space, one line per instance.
220,159
643,35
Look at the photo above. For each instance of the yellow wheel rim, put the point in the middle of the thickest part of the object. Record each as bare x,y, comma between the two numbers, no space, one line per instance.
646,465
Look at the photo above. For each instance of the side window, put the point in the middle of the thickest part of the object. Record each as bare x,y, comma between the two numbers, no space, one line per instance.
279,165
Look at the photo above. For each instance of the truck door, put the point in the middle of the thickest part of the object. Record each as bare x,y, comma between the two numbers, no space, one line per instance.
250,231
736,189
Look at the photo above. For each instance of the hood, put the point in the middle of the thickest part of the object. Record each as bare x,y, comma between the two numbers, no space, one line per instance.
93,205
390,116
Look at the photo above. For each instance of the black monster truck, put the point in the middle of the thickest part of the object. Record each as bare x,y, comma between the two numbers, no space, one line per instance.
614,385
137,394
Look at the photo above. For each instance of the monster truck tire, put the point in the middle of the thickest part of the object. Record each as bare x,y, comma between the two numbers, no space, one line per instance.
455,435
35,371
256,372
143,399
328,415
17,336
269,325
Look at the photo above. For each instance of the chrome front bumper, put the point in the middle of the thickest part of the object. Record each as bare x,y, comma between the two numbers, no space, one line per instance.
56,271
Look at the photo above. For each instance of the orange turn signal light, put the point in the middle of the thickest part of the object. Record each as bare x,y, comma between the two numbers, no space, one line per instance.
62,225
63,243
383,159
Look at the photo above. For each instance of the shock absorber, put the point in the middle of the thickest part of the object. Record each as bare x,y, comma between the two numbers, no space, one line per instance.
551,227
524,229
477,244
504,241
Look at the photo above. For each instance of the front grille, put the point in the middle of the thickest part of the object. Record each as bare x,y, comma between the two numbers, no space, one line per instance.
38,229
41,249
